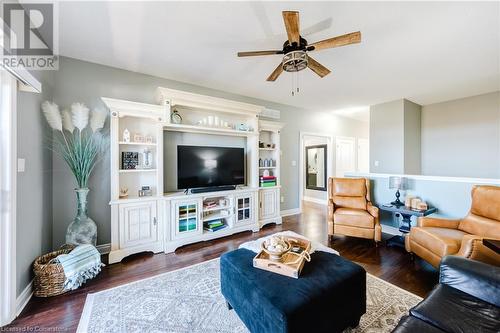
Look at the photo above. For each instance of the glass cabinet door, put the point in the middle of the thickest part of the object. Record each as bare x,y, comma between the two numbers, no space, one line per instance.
187,218
244,208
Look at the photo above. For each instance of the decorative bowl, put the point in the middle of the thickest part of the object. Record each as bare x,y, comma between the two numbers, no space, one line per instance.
275,247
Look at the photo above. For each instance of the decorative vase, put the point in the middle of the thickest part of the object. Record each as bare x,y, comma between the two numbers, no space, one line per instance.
82,230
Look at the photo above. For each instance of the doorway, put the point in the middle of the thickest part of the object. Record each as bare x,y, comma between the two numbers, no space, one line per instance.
345,155
316,157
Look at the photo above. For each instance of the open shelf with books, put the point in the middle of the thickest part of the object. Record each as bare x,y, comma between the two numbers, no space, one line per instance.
269,172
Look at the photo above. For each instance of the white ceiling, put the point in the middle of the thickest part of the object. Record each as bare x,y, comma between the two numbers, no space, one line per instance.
424,51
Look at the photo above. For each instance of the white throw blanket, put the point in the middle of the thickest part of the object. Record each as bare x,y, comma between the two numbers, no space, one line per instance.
254,246
81,264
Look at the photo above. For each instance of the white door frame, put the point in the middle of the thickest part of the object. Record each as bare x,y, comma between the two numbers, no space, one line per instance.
8,184
350,138
329,151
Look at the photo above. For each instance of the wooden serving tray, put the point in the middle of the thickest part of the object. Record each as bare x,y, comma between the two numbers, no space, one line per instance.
289,265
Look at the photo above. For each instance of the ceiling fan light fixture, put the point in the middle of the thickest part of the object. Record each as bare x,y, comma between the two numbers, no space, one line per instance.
295,61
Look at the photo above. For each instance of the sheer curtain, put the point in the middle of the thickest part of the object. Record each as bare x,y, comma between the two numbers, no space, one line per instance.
8,161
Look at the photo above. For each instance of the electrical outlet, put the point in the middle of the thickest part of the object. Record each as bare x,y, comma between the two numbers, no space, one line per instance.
282,199
376,163
294,163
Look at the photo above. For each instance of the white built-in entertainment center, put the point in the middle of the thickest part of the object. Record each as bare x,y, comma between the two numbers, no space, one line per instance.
145,216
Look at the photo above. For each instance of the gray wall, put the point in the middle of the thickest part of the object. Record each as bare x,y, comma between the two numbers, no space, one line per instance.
86,82
462,137
395,137
412,138
34,186
387,137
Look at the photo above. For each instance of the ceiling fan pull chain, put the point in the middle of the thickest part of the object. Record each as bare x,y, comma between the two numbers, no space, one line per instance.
298,82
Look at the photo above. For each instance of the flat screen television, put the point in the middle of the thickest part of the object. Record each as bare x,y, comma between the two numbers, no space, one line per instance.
199,166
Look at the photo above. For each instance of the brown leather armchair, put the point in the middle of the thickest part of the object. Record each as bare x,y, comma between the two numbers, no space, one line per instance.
434,238
350,211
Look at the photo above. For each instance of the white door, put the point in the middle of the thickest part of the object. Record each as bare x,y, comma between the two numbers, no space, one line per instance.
139,222
268,204
345,157
363,156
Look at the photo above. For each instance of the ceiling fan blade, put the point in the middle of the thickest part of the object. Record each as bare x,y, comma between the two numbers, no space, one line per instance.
258,53
316,67
292,26
352,38
274,75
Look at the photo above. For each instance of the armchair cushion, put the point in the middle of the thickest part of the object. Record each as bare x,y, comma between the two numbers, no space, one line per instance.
354,218
481,226
349,202
445,304
472,277
348,192
409,324
486,202
440,241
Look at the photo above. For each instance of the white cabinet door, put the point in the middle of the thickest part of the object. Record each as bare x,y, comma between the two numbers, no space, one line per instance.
186,218
268,204
244,208
139,224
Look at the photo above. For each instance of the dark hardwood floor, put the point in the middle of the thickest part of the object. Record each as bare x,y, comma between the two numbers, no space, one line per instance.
62,313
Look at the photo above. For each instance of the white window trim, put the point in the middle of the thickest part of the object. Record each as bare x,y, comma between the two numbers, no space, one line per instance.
8,180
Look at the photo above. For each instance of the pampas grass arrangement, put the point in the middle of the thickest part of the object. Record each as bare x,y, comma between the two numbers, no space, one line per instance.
77,138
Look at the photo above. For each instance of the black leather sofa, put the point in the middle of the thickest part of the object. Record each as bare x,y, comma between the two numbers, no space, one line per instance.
467,299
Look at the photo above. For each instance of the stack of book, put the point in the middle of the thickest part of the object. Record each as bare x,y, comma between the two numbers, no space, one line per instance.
214,225
267,181
209,204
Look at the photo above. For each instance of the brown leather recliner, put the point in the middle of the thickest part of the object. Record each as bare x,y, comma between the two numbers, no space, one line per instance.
350,211
434,238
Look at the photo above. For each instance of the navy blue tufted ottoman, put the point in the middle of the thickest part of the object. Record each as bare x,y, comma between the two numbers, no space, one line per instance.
329,295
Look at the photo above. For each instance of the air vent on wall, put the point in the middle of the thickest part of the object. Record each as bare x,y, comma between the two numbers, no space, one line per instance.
269,113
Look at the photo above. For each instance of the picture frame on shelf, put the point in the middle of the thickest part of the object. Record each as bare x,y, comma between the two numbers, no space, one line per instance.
139,138
130,160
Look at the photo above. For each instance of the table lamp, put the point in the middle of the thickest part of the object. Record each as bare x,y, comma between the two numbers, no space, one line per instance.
397,183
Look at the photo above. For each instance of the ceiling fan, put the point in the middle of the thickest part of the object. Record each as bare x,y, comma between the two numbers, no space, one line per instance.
295,49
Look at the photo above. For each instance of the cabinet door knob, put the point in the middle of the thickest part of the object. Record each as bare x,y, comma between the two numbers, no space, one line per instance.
155,222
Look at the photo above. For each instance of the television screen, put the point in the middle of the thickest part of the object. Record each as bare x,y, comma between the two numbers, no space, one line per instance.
199,166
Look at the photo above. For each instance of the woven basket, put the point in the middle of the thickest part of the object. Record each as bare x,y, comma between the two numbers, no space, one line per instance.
49,276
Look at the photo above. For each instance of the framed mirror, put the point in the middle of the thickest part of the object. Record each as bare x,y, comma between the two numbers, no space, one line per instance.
316,157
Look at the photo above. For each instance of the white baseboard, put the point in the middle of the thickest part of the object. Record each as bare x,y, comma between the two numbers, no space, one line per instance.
315,200
288,212
389,229
24,298
104,248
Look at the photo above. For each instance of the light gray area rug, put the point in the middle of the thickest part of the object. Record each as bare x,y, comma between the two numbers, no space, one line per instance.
189,301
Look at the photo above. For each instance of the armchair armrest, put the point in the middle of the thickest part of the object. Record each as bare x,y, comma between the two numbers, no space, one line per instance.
472,277
437,222
472,247
372,210
331,209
